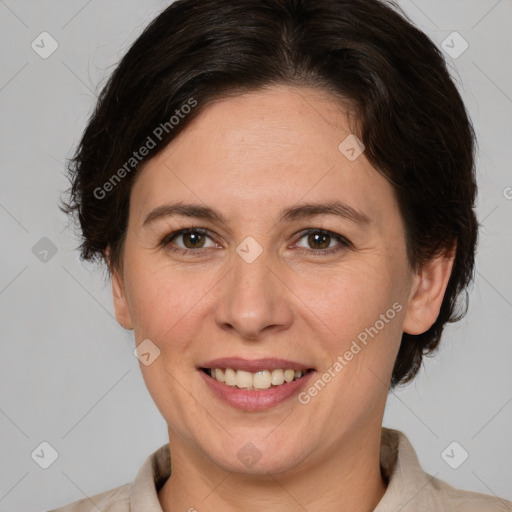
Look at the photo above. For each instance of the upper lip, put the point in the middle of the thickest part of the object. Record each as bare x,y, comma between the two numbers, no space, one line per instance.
254,365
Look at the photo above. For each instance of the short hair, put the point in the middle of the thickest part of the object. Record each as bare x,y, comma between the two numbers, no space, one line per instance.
366,53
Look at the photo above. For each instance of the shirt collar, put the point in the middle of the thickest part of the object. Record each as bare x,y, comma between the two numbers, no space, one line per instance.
398,460
150,478
400,465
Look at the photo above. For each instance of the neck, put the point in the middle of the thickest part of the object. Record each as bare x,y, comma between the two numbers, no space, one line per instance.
346,477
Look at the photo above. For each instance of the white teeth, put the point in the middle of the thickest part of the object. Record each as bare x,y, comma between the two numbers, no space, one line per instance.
230,377
289,375
263,379
243,379
277,377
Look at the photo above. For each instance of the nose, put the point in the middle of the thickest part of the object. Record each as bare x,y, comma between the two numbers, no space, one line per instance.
254,300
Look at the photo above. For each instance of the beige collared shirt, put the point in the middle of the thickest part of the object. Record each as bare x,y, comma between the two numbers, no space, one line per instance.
409,488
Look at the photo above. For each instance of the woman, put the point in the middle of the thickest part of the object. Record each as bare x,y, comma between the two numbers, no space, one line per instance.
283,193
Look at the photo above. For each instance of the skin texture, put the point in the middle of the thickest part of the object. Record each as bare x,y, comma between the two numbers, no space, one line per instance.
250,156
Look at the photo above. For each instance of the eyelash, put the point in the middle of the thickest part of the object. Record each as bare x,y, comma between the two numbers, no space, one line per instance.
343,242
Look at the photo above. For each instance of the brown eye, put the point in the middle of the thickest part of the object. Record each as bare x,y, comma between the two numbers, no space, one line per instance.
193,239
321,242
188,240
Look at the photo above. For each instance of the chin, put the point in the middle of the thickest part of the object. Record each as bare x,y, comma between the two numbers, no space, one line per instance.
258,457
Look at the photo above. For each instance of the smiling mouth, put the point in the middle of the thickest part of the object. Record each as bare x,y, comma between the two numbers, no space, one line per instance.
263,379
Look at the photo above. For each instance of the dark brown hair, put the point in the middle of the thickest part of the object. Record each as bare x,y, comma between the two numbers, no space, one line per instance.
411,118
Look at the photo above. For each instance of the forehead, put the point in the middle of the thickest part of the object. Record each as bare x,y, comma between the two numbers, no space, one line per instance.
261,151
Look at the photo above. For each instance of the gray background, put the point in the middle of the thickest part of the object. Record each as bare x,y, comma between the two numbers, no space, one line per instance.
67,372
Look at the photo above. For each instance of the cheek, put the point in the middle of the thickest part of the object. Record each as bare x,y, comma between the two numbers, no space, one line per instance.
359,321
165,302
347,299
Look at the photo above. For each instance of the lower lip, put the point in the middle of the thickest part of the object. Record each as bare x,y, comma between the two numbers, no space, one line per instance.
253,400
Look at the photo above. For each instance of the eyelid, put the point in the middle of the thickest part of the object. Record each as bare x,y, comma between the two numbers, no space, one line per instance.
343,242
167,239
323,231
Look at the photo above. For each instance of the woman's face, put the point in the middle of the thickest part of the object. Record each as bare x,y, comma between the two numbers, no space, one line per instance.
265,289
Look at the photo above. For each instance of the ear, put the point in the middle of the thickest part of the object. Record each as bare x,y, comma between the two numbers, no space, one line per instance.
427,293
121,308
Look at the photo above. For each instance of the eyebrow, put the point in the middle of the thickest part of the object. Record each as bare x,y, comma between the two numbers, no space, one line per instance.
298,212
